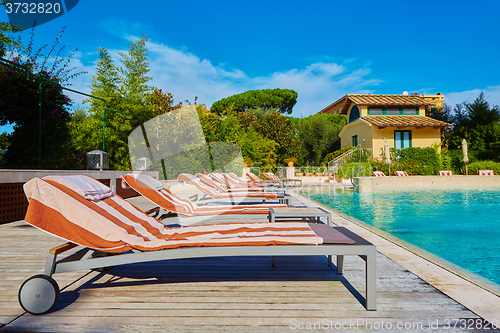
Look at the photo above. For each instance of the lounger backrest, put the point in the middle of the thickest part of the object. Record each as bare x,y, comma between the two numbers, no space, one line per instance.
162,197
378,174
271,176
236,178
195,181
114,225
445,173
210,182
400,173
254,177
486,173
220,178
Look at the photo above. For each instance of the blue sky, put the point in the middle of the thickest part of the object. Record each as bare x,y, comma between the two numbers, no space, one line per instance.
321,49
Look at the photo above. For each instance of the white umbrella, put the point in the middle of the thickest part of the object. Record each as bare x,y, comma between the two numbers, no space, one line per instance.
466,158
386,153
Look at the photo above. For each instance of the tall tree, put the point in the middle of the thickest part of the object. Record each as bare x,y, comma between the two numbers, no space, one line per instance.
282,100
134,71
319,136
479,124
126,90
277,127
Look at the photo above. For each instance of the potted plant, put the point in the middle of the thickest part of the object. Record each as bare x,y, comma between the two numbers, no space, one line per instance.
247,162
309,171
290,160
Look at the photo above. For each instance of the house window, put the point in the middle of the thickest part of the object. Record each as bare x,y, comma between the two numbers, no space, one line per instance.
354,114
355,140
402,139
375,111
407,111
393,111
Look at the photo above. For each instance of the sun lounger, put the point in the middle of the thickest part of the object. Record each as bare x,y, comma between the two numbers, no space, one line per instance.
378,174
213,193
256,179
100,222
234,178
282,181
446,173
154,191
486,173
401,173
228,181
220,184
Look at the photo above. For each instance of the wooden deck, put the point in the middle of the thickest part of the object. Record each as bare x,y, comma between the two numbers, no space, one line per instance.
216,294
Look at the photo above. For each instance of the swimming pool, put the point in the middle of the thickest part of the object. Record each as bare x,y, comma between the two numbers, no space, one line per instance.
459,225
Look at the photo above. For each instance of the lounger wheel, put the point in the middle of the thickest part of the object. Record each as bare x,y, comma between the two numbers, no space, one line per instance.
39,294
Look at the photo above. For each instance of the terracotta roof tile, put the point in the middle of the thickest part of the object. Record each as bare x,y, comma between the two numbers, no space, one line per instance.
342,105
387,100
404,121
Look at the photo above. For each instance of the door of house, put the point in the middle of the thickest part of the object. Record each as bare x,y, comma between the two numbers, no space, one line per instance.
402,139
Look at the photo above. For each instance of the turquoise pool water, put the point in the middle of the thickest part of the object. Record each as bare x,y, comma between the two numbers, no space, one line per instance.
461,226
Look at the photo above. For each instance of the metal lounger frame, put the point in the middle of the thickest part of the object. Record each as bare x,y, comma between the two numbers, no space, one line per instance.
84,259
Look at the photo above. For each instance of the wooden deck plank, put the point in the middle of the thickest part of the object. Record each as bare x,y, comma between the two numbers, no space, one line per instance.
233,294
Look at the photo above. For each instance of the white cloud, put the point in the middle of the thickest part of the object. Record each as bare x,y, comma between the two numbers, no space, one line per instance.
492,95
186,75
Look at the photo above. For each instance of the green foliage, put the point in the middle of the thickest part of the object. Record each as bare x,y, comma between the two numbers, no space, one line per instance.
473,168
479,124
273,126
4,140
6,39
416,161
19,105
382,166
124,89
319,136
229,128
281,99
346,170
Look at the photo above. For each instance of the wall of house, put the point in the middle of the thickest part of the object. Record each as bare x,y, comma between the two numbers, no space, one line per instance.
421,111
363,110
359,128
420,137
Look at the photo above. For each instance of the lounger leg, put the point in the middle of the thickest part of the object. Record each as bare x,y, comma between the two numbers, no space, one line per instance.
329,261
340,265
50,264
371,282
273,261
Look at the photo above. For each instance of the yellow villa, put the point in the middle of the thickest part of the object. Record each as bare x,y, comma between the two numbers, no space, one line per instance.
399,120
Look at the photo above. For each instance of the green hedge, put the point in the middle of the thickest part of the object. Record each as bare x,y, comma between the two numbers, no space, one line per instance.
417,161
483,165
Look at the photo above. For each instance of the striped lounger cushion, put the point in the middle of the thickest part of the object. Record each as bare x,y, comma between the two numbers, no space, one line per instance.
154,191
112,224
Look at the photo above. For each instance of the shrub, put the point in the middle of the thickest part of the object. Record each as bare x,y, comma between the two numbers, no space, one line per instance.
346,170
456,160
382,166
483,165
417,161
